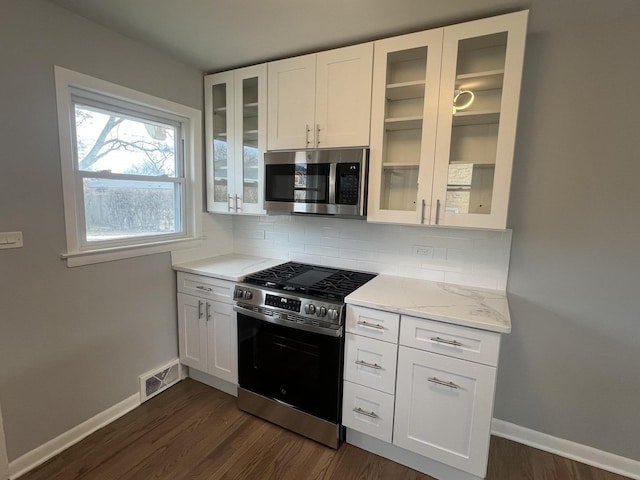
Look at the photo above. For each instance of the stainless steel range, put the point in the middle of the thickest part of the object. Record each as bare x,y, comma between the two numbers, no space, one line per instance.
291,346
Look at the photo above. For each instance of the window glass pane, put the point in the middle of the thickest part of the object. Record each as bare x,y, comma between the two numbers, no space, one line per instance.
109,141
118,209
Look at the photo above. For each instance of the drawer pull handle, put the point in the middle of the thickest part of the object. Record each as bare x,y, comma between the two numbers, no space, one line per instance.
455,343
371,325
365,413
370,365
442,382
206,289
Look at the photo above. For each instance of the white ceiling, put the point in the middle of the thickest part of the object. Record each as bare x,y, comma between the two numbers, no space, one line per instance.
216,35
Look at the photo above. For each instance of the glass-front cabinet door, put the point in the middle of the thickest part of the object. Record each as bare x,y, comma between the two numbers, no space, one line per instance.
219,119
235,110
403,126
480,90
443,123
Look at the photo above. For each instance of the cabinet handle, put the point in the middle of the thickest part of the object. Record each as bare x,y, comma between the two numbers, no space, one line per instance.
370,365
437,212
200,302
206,289
424,204
455,343
230,203
443,383
317,134
208,311
370,325
365,413
306,135
238,202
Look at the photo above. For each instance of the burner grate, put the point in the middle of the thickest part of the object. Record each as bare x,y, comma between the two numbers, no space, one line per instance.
335,286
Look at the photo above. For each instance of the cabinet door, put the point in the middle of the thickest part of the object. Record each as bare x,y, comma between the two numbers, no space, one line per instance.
443,409
192,331
222,335
219,124
343,96
250,86
480,90
291,100
406,76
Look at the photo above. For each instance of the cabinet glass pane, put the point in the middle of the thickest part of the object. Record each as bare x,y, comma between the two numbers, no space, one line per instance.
476,116
404,107
220,157
250,156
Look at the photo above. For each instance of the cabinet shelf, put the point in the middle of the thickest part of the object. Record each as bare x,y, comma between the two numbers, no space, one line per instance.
220,110
476,163
250,109
405,90
400,165
403,123
488,80
475,118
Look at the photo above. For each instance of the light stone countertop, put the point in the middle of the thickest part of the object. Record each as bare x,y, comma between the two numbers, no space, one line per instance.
467,306
233,266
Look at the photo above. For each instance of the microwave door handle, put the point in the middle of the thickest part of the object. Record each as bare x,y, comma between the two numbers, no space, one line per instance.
332,184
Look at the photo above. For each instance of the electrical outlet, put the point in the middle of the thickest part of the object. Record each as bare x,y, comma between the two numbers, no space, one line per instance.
422,251
10,239
258,234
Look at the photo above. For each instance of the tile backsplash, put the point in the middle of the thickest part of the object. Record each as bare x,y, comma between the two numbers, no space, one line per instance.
478,258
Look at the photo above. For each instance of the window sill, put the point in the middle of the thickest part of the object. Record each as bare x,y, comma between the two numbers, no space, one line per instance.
88,257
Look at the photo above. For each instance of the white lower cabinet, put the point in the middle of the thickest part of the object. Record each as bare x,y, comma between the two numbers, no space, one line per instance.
443,408
428,390
207,328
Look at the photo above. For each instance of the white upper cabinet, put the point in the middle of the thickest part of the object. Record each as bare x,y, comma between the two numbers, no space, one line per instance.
321,100
403,126
236,125
444,117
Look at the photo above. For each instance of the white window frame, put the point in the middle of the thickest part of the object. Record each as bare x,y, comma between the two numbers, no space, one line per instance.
71,85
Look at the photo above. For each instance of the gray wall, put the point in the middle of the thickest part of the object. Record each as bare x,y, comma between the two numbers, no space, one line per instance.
72,340
571,366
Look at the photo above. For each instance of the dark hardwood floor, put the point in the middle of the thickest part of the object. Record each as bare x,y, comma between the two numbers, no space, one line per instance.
195,432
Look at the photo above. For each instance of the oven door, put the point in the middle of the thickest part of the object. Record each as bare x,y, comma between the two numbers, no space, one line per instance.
295,367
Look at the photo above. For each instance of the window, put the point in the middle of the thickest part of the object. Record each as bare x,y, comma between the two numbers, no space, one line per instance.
130,167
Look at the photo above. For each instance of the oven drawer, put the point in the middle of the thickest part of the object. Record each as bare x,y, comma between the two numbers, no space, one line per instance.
456,341
370,362
368,411
373,323
206,287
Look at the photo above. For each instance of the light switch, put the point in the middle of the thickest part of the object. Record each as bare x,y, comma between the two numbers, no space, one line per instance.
10,240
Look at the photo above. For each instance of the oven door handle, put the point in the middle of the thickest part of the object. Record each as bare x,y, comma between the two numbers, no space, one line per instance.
287,323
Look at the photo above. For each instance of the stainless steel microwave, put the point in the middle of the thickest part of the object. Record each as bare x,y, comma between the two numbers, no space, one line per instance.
324,182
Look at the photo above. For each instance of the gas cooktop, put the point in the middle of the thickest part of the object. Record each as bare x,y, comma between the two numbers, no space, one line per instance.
324,282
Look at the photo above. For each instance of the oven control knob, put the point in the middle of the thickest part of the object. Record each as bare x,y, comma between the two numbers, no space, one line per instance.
332,314
310,308
322,311
247,295
237,293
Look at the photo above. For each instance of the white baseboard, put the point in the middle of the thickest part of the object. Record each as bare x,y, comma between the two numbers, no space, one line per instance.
41,454
566,448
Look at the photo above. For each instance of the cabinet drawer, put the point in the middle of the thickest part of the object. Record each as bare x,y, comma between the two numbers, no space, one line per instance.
452,340
373,323
206,287
368,411
370,362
